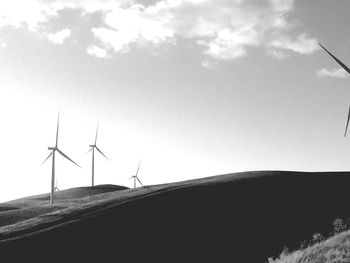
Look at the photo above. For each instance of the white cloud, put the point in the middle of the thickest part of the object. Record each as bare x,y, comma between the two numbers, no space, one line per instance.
229,44
302,44
116,40
282,5
32,13
207,64
60,36
224,29
17,12
277,54
96,51
89,6
334,73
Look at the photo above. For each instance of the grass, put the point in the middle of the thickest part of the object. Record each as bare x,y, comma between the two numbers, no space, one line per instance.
6,207
69,195
26,208
335,249
17,215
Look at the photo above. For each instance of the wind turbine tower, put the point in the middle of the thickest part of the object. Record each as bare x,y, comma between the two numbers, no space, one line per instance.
92,148
348,71
53,154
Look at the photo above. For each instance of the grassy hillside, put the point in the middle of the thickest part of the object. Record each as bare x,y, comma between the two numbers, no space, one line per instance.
68,196
333,250
242,217
30,207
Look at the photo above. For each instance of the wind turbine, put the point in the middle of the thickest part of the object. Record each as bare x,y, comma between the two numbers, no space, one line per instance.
92,148
348,71
53,152
135,177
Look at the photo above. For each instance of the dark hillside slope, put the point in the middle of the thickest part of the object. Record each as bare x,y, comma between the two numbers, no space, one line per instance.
244,217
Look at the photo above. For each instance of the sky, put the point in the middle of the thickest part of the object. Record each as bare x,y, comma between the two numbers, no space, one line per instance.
194,88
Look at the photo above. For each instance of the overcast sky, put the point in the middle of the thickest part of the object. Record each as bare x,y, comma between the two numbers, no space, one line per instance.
193,87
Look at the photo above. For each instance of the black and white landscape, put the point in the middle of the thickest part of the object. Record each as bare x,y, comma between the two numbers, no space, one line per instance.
174,130
243,217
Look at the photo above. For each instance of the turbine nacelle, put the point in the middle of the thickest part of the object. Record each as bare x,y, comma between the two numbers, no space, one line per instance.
135,178
52,148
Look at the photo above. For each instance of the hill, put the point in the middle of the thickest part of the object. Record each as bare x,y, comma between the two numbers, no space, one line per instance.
242,217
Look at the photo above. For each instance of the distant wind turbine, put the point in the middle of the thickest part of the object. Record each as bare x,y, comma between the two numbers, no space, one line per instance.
92,148
53,151
348,71
135,177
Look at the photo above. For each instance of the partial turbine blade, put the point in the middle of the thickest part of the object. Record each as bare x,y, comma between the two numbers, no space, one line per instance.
89,151
337,60
65,156
58,124
138,168
139,180
101,153
347,123
96,133
46,158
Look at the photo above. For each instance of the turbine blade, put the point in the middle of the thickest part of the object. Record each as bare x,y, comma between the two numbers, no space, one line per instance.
347,123
89,151
65,156
336,59
58,124
96,133
138,168
101,153
46,158
139,180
